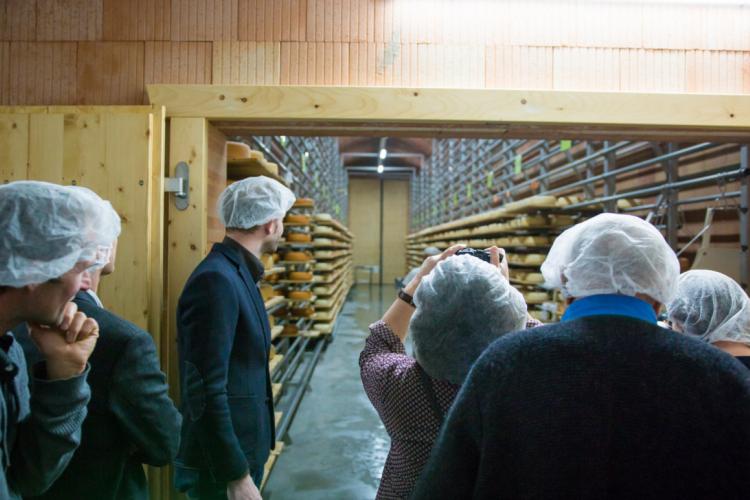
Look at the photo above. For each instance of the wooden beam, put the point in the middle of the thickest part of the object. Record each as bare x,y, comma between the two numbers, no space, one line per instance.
473,111
67,110
504,131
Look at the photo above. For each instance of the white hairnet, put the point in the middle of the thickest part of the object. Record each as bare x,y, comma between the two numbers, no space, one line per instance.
430,251
612,254
254,201
711,306
463,305
47,229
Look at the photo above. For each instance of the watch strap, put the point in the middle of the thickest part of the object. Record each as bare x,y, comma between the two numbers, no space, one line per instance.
406,298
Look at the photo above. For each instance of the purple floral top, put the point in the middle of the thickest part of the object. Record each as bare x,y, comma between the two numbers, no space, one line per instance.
392,383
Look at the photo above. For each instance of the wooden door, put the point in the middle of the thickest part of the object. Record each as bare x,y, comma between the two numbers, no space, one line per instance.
379,216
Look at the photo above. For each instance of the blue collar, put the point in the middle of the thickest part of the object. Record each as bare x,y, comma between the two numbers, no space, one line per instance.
610,304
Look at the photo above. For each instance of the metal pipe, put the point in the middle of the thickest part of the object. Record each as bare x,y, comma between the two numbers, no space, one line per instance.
285,362
295,362
728,176
687,201
509,161
288,416
634,166
364,168
270,152
693,240
610,163
672,196
390,155
570,166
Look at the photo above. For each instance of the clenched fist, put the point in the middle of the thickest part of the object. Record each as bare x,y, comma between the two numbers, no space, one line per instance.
67,346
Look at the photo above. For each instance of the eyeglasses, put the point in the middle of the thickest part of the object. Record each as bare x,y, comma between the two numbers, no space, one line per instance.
97,258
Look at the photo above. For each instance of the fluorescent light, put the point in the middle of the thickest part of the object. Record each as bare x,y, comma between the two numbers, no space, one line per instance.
380,169
383,153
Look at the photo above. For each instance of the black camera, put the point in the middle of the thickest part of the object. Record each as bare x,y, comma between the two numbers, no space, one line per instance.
479,254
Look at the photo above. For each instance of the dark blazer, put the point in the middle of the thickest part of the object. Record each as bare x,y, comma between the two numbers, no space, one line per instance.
131,420
598,407
224,338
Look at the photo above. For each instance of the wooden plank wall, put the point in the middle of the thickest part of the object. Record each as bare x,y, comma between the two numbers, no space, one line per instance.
110,152
106,51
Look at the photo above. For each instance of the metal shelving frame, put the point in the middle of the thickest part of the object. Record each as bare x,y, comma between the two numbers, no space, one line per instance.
470,176
312,167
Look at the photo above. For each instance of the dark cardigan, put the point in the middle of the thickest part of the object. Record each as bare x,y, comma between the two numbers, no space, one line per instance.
598,407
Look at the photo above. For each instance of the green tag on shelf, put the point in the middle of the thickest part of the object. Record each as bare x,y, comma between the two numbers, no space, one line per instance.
304,163
434,211
315,179
468,191
337,209
490,179
518,164
455,199
565,144
283,140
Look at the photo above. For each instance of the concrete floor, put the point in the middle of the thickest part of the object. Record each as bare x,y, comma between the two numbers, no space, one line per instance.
337,443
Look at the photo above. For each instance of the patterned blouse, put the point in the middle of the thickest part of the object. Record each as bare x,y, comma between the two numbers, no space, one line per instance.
392,382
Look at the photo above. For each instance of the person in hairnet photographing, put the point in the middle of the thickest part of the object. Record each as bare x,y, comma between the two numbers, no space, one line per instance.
50,236
605,404
224,340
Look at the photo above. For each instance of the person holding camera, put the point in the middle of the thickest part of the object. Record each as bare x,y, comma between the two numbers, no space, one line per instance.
460,305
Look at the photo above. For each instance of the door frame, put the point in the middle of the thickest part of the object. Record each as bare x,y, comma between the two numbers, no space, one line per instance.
190,111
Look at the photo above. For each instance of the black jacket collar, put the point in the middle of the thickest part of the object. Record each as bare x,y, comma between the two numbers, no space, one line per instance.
253,263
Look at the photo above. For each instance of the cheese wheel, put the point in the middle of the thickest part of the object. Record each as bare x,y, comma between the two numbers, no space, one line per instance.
300,276
237,150
298,256
266,291
298,238
303,312
267,260
300,295
297,219
290,329
271,167
304,203
535,297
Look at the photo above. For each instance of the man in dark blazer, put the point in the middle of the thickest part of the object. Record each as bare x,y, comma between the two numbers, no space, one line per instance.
131,421
605,404
224,340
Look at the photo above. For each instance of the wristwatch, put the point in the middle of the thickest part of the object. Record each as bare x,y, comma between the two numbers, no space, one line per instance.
406,298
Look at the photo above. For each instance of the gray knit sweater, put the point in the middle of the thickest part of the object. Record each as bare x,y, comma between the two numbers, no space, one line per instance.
39,430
